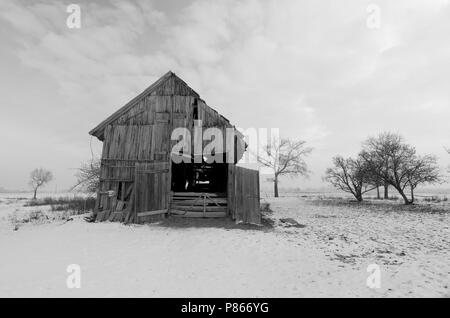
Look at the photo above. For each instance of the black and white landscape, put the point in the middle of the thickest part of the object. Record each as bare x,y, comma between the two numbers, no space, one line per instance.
342,108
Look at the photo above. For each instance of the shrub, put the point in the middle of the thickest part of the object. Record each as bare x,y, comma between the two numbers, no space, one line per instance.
36,217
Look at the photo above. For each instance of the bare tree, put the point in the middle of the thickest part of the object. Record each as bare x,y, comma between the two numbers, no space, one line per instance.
351,175
38,178
422,169
88,176
396,163
285,157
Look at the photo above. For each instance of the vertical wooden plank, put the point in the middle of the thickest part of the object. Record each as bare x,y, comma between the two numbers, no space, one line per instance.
238,194
229,189
168,177
258,194
246,195
136,190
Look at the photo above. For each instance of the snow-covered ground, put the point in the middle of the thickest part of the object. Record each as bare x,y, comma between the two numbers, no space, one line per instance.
328,256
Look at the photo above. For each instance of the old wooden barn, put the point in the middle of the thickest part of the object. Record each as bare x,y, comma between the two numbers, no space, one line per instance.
139,180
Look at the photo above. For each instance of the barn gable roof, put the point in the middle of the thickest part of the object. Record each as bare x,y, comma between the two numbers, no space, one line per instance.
98,131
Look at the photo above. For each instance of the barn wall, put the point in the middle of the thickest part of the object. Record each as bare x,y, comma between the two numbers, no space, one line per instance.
243,195
139,136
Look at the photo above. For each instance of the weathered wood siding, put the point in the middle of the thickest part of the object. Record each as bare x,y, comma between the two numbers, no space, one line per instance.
243,195
152,191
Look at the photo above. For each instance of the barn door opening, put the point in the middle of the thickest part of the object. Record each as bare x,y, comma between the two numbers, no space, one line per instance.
199,189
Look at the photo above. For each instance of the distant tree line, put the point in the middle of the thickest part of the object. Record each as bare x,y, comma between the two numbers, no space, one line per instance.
385,160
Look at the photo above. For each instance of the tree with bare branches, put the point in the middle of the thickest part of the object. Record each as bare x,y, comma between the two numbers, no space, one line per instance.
38,178
397,163
423,169
285,157
88,176
351,176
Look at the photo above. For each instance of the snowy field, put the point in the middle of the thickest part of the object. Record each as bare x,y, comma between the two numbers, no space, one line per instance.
325,255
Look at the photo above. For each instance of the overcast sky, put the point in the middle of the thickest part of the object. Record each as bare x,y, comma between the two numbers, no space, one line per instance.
314,69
